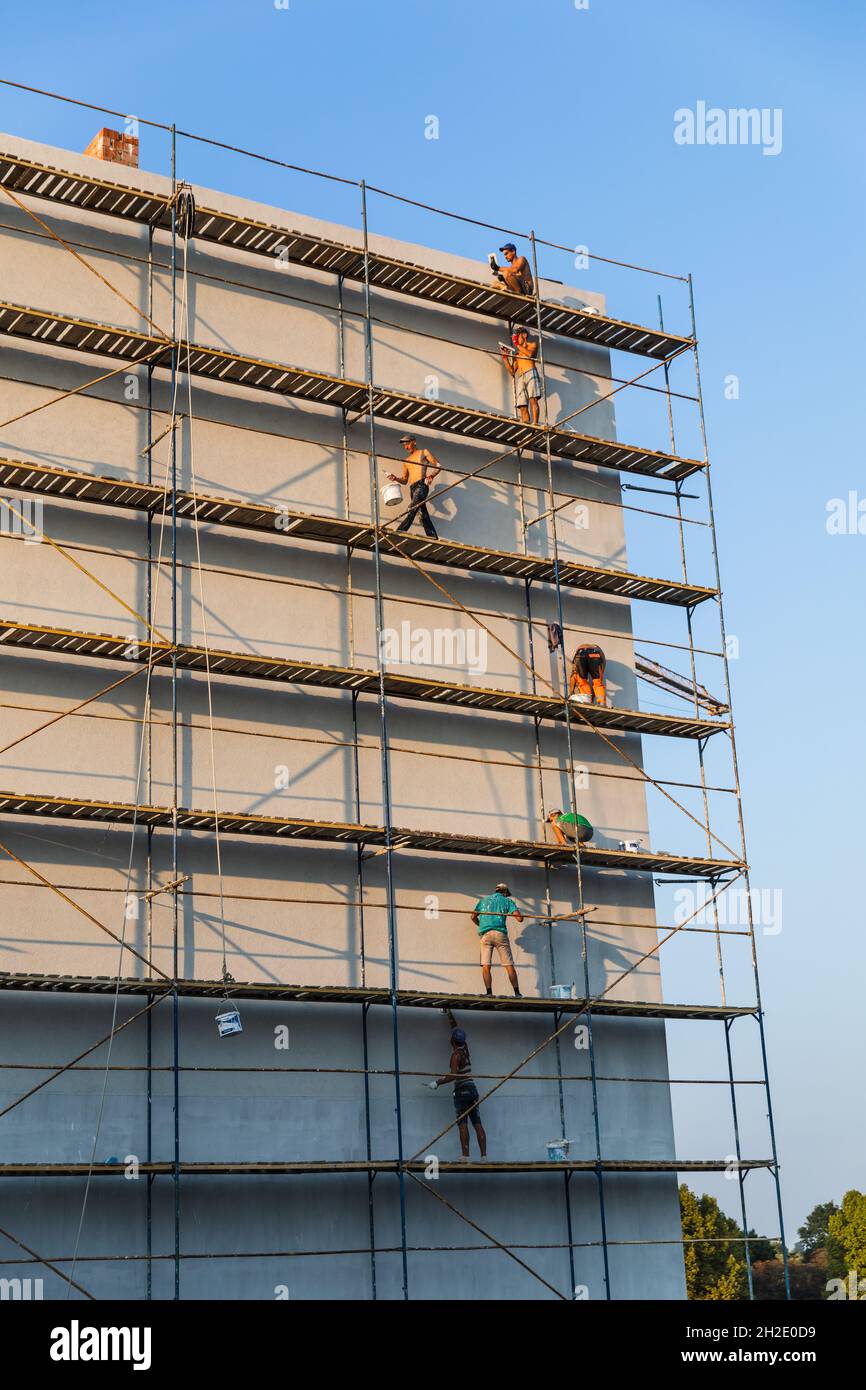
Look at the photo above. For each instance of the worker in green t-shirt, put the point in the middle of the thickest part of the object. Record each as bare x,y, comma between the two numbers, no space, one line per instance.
490,916
568,827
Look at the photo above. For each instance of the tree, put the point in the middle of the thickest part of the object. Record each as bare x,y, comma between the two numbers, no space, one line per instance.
760,1248
807,1278
715,1270
847,1226
815,1230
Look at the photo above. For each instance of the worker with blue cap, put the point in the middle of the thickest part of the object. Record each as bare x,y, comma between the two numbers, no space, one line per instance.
516,276
466,1105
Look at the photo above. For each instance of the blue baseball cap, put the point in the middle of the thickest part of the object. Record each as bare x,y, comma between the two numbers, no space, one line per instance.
509,246
458,1036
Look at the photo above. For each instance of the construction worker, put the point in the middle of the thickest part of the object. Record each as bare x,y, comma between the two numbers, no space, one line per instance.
515,275
465,1092
519,362
570,827
419,470
490,916
587,676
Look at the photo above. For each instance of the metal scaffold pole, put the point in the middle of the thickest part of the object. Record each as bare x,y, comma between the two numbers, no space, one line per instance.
175,953
385,755
741,824
572,789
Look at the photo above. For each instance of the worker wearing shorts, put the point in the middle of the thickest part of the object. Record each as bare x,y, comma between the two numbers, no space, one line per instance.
519,360
527,387
490,916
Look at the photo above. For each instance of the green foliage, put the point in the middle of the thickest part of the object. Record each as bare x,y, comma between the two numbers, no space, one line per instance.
847,1227
807,1278
815,1230
715,1270
760,1248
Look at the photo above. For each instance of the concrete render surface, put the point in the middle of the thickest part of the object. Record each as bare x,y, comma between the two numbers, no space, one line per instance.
292,1085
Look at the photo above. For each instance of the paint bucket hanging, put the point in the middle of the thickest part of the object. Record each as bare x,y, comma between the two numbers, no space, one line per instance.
557,1150
229,1022
392,494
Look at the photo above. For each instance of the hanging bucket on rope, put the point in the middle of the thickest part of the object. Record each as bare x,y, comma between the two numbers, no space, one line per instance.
229,1022
557,1150
392,494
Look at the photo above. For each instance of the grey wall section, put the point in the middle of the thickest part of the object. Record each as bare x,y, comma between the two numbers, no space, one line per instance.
296,913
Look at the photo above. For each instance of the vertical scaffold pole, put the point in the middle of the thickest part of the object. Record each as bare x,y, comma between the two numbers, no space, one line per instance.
175,1001
736,772
350,600
572,790
383,740
148,714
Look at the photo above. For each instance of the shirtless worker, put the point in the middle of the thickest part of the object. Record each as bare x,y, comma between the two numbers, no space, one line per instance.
419,470
465,1092
515,275
490,915
520,365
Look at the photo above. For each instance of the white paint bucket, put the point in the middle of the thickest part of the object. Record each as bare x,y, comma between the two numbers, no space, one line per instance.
392,494
228,1023
631,846
557,1150
562,991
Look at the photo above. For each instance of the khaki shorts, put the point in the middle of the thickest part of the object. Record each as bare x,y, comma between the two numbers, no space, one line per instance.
497,940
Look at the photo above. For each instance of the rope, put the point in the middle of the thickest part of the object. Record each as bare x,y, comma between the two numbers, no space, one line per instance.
185,313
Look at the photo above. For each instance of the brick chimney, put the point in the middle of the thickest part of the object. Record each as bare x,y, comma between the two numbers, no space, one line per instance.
114,147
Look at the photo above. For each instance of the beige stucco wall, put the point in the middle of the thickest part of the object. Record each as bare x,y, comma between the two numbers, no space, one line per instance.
294,912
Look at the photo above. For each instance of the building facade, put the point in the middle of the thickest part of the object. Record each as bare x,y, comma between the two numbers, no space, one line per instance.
326,1079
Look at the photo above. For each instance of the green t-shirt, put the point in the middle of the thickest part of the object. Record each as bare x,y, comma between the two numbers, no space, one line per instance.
493,912
569,818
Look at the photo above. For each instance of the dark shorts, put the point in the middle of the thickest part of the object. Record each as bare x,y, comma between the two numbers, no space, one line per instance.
466,1096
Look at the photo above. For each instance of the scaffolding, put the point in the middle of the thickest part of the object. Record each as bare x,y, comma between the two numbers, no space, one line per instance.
177,218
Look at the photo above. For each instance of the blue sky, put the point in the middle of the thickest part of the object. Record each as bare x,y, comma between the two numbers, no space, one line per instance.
563,119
